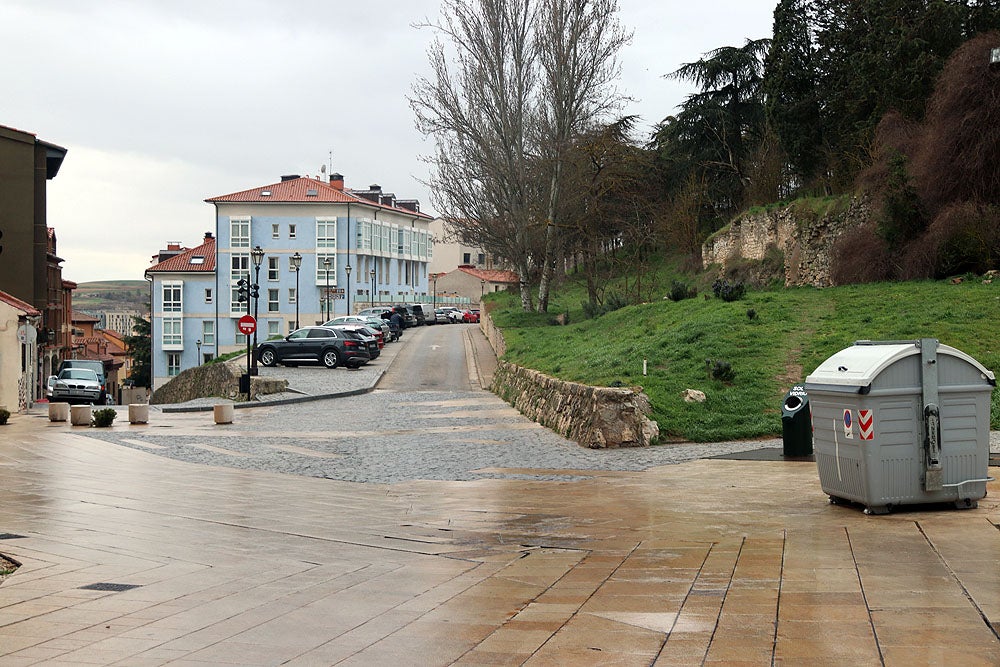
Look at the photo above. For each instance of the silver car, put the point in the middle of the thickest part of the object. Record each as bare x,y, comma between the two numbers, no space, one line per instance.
76,385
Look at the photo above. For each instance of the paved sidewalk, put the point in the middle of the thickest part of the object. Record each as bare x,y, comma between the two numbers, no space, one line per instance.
131,558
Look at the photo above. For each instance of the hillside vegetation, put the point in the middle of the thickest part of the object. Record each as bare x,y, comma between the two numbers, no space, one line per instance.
771,339
111,295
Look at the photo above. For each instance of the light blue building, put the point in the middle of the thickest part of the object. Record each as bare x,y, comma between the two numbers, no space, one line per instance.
354,249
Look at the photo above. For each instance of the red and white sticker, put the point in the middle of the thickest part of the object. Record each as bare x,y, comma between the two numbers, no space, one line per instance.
866,424
848,425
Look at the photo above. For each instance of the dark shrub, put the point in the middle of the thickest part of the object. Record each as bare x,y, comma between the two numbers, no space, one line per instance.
727,291
720,370
680,290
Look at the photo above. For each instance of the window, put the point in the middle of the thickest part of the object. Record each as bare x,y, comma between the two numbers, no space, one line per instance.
272,268
275,231
238,306
239,266
467,258
326,247
241,339
239,232
173,363
172,338
208,295
291,231
272,300
273,328
172,297
482,258
292,296
208,333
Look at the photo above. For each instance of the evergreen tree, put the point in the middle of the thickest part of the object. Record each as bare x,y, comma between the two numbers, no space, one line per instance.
138,345
790,94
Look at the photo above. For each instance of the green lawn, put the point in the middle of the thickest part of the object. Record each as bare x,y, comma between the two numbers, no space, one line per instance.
793,332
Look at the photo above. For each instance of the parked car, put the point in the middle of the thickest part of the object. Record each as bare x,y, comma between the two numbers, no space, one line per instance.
471,316
454,314
325,345
366,334
441,316
49,385
77,385
376,323
422,316
95,365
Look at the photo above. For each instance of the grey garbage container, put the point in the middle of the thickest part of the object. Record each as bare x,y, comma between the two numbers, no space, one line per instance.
796,424
901,423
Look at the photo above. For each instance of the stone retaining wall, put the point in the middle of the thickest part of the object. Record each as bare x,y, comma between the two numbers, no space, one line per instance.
804,236
220,380
595,417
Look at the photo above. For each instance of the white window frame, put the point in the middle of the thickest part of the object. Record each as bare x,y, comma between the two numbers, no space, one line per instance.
275,230
292,295
273,303
209,295
239,232
273,268
273,328
173,364
326,246
172,293
208,333
239,266
172,333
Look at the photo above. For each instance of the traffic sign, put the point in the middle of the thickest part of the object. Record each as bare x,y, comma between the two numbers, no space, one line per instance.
247,325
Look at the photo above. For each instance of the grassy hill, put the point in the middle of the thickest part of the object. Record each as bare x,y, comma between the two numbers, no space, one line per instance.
788,334
111,295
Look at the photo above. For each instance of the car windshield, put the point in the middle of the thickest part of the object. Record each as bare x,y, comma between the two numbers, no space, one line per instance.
78,374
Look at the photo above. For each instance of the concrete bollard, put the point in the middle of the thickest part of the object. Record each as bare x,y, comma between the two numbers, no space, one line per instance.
138,413
58,412
224,413
80,415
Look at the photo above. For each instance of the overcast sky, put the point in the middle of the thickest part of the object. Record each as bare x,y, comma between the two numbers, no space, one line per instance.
163,104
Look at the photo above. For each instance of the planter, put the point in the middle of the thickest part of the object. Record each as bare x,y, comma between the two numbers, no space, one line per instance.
58,412
80,415
224,413
138,413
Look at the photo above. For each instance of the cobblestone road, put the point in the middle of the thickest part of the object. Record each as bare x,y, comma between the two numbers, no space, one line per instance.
387,436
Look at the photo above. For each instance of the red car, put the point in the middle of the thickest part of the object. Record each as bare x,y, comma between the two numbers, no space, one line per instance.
470,316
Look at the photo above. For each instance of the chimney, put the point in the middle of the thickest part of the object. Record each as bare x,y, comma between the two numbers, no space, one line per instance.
289,177
375,187
337,181
208,235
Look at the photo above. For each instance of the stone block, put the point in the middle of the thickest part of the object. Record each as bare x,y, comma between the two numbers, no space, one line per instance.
224,413
80,415
138,413
58,412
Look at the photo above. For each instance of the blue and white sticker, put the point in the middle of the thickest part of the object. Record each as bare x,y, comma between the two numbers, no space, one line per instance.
848,425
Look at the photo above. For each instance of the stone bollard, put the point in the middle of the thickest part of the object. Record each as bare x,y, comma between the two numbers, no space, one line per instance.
138,413
58,412
80,415
224,413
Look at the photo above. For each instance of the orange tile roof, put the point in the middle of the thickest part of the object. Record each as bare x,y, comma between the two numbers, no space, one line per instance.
306,190
12,300
182,263
78,316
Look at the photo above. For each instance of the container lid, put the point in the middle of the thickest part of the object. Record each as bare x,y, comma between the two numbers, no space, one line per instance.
860,364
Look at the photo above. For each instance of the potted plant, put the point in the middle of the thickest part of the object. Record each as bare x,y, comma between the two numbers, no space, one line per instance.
104,417
4,416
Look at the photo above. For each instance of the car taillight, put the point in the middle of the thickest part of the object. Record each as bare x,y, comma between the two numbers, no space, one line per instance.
350,343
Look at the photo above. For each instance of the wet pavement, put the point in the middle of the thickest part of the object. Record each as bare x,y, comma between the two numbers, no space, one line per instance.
476,538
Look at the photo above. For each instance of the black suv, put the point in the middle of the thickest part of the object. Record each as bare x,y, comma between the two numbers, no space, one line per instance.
325,345
95,365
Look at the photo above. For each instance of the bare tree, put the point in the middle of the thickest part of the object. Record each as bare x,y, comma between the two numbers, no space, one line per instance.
577,42
478,107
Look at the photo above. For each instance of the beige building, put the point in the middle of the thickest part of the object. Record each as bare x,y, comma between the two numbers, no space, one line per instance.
18,352
449,253
472,283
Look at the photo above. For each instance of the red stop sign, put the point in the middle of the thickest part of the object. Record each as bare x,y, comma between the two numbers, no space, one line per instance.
247,325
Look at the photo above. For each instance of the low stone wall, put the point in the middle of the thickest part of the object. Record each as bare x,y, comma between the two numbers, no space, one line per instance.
220,380
595,417
805,238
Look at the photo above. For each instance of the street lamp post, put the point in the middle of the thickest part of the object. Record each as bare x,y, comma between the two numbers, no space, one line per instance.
257,256
434,296
296,265
326,270
198,343
372,274
347,270
482,291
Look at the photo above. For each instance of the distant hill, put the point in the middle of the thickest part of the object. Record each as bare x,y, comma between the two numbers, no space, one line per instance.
112,295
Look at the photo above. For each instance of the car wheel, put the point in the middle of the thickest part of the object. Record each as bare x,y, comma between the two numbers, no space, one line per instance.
267,357
331,358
